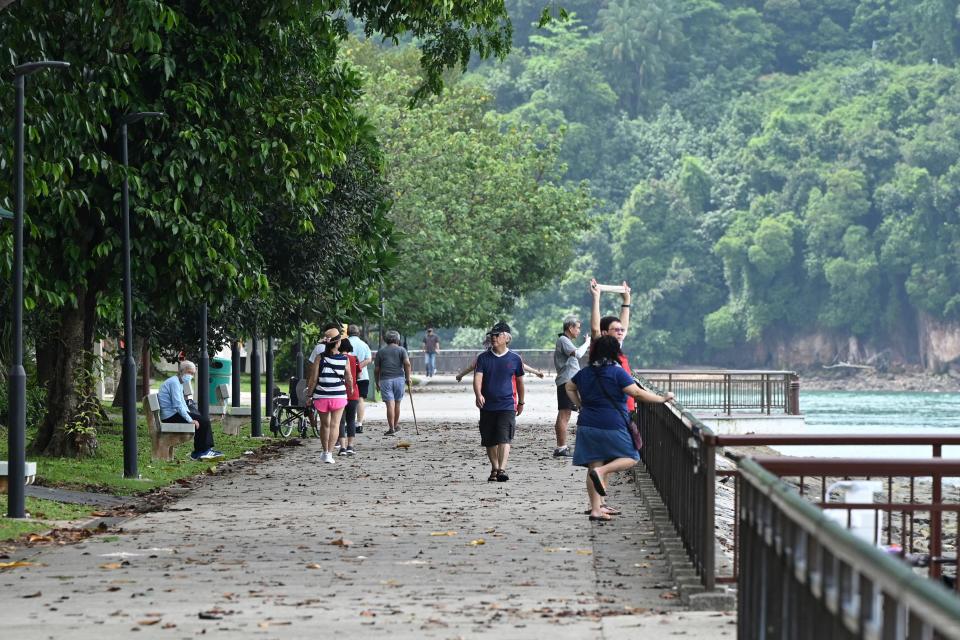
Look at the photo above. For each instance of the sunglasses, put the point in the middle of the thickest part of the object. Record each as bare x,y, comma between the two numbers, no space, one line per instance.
495,334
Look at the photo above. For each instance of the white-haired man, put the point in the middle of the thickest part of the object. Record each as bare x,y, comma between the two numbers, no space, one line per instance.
173,408
566,359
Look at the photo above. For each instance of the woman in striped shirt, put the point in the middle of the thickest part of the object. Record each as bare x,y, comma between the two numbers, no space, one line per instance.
331,379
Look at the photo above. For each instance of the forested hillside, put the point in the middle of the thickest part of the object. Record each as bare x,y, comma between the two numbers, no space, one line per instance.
778,180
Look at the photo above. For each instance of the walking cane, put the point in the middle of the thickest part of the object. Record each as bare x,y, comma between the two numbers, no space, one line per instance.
413,409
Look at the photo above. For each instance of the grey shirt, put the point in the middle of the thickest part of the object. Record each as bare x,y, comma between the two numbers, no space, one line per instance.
390,359
566,358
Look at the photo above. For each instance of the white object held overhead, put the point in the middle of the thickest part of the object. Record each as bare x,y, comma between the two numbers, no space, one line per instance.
862,522
612,288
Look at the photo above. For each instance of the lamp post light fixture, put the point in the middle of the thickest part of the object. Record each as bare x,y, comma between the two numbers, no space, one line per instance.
129,367
17,436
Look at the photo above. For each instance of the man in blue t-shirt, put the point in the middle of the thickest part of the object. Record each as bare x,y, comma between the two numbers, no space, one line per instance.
498,387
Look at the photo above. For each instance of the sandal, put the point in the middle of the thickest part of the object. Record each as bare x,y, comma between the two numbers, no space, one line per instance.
594,518
494,475
610,511
502,476
597,482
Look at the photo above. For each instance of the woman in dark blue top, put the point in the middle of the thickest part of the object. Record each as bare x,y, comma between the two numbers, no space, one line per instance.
604,444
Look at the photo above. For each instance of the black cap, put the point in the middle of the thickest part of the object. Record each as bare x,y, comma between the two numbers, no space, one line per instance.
501,327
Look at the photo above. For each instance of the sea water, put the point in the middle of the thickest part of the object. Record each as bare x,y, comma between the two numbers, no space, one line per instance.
878,413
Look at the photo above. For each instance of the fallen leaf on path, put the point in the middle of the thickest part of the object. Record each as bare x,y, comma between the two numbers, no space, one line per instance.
403,444
115,565
266,624
366,613
33,595
314,565
148,622
443,533
341,542
477,542
669,595
14,565
169,625
584,552
36,537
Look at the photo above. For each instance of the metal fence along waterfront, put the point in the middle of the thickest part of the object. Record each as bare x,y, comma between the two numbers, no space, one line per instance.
729,391
803,575
915,525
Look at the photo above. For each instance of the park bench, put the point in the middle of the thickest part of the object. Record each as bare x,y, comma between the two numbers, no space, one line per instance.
234,418
165,436
29,476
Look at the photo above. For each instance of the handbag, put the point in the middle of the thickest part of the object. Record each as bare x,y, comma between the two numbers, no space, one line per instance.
631,425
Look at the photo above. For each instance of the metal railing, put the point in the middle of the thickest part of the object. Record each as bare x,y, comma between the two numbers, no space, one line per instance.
683,471
805,576
727,391
680,455
899,518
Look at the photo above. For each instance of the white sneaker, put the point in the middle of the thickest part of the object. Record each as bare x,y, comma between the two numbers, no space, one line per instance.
328,457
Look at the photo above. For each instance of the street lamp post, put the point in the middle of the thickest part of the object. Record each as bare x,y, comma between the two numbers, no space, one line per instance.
255,407
299,355
235,371
270,381
129,367
17,436
203,384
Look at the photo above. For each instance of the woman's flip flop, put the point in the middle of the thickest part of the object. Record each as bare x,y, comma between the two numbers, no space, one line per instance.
597,482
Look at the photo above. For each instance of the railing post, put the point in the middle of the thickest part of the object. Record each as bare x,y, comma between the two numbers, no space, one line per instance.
793,397
726,393
708,449
936,519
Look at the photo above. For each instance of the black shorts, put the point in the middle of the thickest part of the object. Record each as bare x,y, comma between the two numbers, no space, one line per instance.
497,427
563,400
364,387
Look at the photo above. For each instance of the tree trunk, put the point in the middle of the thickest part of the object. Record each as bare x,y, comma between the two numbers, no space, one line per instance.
61,363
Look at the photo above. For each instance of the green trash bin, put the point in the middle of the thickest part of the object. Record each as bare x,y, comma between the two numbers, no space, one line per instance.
220,371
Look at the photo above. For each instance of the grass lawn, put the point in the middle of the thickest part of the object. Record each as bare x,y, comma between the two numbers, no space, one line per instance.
104,471
41,515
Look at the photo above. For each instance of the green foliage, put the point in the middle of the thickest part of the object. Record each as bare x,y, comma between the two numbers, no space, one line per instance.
262,156
476,199
775,156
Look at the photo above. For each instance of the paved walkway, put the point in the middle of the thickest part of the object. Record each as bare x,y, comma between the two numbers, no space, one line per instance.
398,543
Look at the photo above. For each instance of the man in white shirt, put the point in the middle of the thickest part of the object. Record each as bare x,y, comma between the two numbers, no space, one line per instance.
364,357
566,359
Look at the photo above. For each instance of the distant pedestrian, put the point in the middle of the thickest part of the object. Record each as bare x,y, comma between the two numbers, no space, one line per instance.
566,359
615,326
331,380
173,408
391,370
499,391
364,357
348,421
604,443
431,347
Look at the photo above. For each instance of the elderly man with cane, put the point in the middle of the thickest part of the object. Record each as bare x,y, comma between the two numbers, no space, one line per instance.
391,370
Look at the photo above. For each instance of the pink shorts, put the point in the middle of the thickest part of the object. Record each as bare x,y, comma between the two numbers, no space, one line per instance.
326,405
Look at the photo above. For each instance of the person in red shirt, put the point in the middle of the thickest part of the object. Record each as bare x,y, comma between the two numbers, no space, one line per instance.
348,422
612,325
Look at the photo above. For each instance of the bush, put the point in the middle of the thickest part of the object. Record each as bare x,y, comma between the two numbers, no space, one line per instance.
36,405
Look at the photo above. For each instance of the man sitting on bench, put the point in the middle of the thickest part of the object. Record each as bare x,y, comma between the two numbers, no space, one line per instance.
173,408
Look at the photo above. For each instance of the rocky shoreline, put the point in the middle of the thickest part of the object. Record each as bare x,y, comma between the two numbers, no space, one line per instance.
871,380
